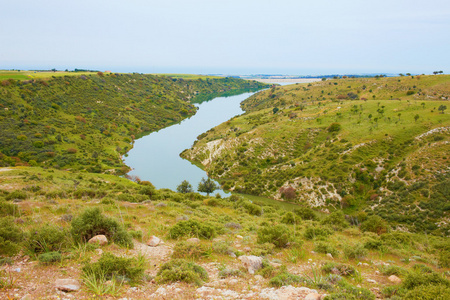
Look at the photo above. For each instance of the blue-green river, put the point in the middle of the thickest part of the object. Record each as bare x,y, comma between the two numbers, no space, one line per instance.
156,157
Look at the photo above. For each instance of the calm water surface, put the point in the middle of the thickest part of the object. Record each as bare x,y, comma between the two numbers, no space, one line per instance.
156,157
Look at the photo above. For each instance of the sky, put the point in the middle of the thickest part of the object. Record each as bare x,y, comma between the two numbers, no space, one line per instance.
232,37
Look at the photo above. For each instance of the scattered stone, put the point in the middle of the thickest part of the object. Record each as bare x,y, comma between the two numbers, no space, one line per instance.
313,252
286,293
394,279
99,251
247,249
17,270
329,255
193,240
239,237
153,241
258,277
232,254
67,285
371,281
99,239
313,296
251,263
26,297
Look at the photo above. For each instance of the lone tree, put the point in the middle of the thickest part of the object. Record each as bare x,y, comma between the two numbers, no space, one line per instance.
185,187
207,186
416,117
442,108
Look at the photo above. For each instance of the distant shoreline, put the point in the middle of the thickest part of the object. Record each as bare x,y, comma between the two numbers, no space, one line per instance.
286,80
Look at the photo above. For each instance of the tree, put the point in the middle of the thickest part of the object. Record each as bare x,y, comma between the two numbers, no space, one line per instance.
416,117
275,110
442,108
207,186
185,187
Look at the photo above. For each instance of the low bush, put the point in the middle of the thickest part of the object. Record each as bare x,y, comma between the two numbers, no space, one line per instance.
47,238
375,224
191,250
16,195
8,209
181,270
284,279
336,219
230,273
262,249
276,234
306,213
393,270
338,269
91,222
114,267
10,236
192,228
429,292
49,257
317,232
418,278
323,247
354,251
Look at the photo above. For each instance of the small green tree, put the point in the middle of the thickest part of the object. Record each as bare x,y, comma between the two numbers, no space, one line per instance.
207,186
275,110
416,117
442,108
184,187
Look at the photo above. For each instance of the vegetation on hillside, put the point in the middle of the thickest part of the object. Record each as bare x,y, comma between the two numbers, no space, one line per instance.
371,146
89,122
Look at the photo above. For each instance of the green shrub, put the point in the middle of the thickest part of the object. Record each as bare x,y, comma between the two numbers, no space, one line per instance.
191,250
397,239
336,219
10,236
339,269
372,244
267,270
8,209
284,279
276,234
417,278
290,218
181,270
47,238
91,222
306,213
375,224
340,296
262,249
354,251
317,232
49,257
114,267
21,195
334,127
429,292
323,247
191,228
393,270
230,273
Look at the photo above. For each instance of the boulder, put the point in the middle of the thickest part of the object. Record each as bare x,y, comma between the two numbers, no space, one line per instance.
394,279
251,263
313,296
99,239
67,285
153,241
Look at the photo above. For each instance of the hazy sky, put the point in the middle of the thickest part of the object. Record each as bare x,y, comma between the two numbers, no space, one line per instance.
227,36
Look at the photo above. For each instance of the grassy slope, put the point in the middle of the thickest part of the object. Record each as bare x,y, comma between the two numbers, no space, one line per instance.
376,160
54,196
98,117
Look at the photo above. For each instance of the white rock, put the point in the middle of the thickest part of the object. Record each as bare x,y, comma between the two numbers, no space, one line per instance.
329,255
99,239
312,296
251,263
239,237
394,279
67,285
153,241
371,281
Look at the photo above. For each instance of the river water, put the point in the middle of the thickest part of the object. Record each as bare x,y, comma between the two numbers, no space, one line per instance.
156,157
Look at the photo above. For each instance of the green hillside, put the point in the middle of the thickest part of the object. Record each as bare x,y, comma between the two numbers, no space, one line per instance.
90,121
368,146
